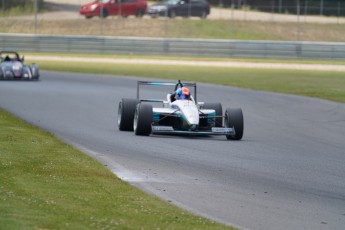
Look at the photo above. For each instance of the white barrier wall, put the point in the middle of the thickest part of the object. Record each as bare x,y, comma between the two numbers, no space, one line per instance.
173,47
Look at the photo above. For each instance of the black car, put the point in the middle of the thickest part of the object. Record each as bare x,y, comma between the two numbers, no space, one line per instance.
184,8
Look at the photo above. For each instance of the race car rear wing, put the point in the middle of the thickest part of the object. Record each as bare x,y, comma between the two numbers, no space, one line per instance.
157,83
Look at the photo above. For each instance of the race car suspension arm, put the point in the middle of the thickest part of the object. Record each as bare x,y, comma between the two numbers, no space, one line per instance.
165,116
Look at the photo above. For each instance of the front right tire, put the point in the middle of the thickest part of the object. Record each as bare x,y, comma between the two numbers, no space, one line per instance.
234,119
143,120
125,113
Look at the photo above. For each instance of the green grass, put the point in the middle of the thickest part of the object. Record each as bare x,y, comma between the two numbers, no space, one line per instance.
186,58
329,85
220,29
46,184
15,11
180,28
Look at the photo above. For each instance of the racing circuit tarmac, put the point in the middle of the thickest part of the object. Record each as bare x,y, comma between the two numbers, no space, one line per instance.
287,173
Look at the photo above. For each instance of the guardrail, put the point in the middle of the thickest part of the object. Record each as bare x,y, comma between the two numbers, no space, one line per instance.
173,47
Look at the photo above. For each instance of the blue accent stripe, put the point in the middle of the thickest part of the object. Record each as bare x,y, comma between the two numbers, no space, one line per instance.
211,119
155,117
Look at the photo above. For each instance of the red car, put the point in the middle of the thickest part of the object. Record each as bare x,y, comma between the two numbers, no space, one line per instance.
104,8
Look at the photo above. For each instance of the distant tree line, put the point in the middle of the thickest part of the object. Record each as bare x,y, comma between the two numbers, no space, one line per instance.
7,4
323,7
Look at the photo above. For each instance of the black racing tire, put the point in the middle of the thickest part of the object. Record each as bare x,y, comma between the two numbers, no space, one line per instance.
35,74
143,120
88,17
219,112
125,113
233,118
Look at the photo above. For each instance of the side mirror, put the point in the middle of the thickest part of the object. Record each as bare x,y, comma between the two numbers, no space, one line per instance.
22,59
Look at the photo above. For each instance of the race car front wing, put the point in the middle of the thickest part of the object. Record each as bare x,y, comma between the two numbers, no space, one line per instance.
213,131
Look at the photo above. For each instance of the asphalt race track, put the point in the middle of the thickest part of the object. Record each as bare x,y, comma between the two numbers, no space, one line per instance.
288,172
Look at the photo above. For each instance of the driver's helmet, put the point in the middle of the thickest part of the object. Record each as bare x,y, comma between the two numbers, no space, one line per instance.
182,93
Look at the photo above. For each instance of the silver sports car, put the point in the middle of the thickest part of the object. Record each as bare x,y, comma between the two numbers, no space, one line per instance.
12,67
185,116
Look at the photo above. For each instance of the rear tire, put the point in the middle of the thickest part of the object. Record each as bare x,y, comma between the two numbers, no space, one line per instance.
125,113
219,112
143,120
234,119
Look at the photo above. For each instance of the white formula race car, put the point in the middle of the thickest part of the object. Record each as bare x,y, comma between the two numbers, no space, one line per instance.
184,117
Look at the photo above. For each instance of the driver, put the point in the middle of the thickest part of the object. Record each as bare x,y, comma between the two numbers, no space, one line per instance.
182,94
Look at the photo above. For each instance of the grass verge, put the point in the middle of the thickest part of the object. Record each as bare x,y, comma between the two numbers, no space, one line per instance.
185,58
329,85
180,28
46,184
